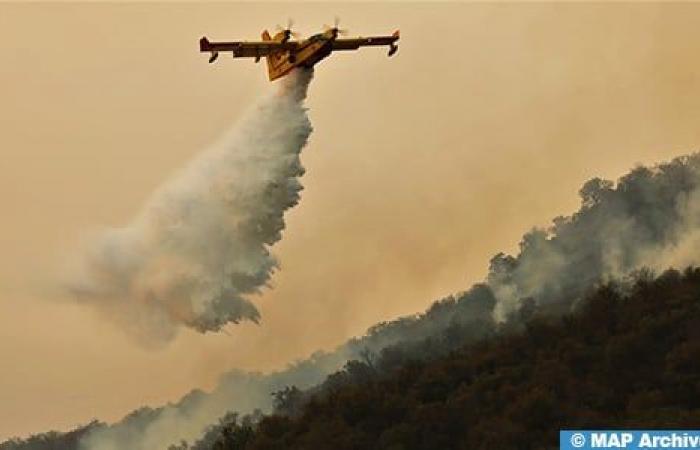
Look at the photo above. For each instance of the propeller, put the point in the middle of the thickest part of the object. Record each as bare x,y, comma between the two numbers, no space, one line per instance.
336,23
288,29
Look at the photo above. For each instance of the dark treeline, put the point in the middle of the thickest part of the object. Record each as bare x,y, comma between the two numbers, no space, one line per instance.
629,356
53,440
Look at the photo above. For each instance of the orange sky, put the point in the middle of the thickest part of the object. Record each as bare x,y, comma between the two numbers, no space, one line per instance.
421,167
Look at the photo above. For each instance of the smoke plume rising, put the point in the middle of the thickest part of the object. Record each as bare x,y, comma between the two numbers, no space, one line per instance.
200,248
649,219
186,420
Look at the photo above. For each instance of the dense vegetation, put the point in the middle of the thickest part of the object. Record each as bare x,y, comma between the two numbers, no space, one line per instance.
629,357
53,440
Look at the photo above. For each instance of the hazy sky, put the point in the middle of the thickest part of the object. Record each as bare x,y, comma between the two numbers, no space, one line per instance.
421,166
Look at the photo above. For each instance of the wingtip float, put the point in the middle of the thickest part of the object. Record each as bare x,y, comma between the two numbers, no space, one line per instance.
283,53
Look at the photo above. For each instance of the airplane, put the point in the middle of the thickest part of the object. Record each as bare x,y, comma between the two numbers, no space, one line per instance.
284,54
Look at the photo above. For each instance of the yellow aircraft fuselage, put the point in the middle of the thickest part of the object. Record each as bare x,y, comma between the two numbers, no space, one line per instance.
310,52
283,55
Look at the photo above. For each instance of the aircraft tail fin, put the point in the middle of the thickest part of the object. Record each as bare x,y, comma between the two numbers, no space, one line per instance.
204,44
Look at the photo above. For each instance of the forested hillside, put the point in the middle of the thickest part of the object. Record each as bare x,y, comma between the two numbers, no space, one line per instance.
629,356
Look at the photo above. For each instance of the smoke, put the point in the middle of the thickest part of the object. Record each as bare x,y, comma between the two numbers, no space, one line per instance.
186,420
200,248
650,219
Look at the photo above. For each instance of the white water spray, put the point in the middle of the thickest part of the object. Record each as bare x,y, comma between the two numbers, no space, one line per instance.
200,248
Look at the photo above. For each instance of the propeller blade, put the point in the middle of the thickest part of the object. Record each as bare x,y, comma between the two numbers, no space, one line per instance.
290,24
336,22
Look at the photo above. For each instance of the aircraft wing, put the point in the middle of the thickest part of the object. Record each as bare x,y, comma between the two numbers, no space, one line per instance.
244,49
355,43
